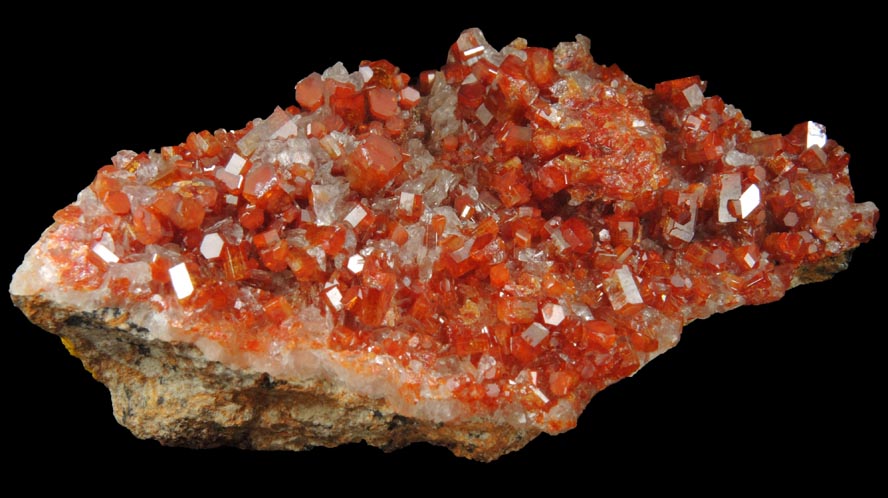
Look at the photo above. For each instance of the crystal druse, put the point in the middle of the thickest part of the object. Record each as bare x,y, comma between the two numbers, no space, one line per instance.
475,252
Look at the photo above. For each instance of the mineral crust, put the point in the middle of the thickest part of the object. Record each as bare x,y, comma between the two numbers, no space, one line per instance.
465,258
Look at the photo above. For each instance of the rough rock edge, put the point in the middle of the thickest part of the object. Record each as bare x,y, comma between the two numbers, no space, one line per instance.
169,392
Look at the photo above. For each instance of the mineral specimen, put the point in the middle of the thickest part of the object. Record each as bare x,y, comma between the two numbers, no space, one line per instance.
465,260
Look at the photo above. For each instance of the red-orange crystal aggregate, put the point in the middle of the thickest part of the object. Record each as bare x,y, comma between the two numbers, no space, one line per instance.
505,237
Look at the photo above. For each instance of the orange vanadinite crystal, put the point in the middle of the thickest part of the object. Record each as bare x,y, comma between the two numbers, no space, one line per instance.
515,232
373,164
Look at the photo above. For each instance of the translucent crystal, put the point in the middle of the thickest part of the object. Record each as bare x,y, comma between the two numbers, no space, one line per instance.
535,333
730,191
553,314
625,292
235,164
694,95
749,200
211,246
181,281
106,254
816,135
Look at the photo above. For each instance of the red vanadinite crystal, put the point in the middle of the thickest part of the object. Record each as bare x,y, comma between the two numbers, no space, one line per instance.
515,232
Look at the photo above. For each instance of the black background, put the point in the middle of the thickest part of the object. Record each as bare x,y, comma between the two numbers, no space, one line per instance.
788,393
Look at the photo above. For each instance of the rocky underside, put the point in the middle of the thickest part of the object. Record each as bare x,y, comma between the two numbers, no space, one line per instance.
170,392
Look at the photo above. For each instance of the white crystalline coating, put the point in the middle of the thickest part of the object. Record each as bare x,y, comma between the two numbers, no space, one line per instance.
138,273
816,135
443,182
334,297
406,201
717,257
410,95
330,144
682,231
306,216
355,263
525,212
628,290
486,364
356,215
694,95
181,280
231,199
553,314
749,200
235,165
535,333
693,122
326,200
530,255
582,311
737,158
366,73
105,253
791,219
516,48
123,158
288,129
554,115
730,191
230,180
295,150
604,235
558,238
262,131
749,260
628,227
685,231
211,245
677,280
336,72
484,115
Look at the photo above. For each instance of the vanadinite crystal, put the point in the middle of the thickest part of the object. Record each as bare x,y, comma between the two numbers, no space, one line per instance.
481,248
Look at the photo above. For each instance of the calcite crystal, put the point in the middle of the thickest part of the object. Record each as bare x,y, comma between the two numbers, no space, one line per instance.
465,258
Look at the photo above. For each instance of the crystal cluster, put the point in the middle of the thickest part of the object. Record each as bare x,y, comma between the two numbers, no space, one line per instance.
502,238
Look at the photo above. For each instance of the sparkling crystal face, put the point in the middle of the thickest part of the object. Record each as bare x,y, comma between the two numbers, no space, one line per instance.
515,233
